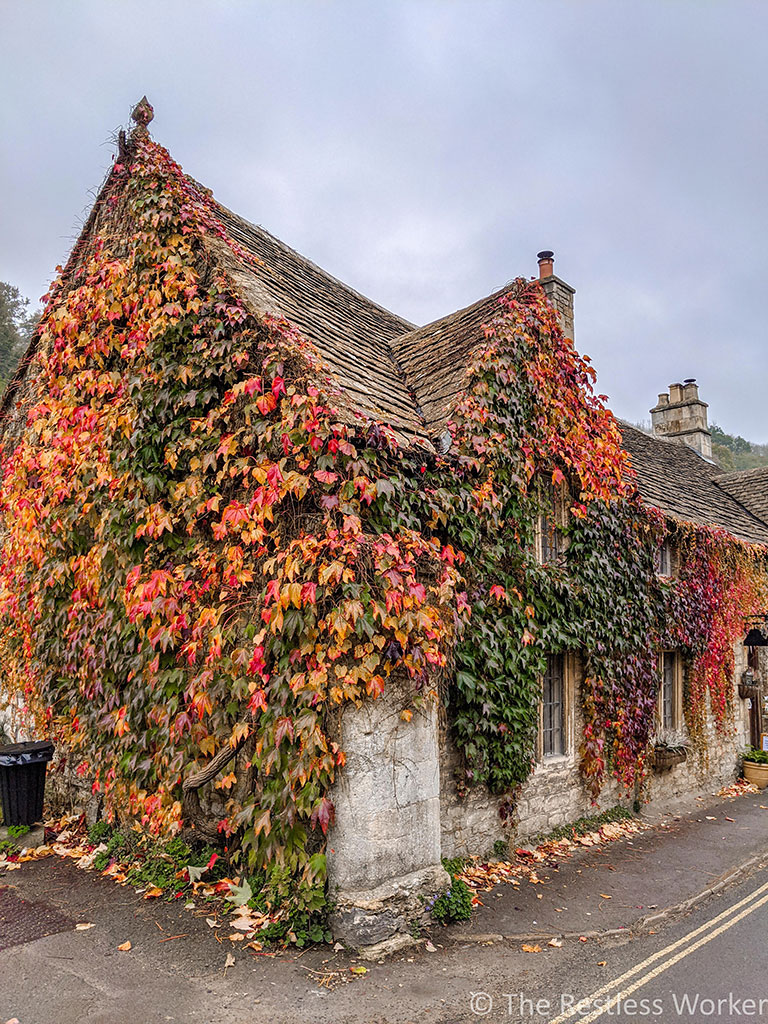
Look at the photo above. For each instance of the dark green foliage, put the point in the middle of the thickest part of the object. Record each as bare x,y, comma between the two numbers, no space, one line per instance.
756,756
453,865
304,917
455,904
99,832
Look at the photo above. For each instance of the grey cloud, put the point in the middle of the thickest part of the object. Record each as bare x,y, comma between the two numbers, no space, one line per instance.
424,151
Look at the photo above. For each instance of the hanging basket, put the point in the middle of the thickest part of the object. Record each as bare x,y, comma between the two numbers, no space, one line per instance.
749,691
668,757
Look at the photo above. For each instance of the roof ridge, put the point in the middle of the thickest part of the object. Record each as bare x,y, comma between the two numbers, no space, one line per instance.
741,472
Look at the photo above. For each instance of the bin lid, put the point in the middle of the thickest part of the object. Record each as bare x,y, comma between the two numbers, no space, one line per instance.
26,753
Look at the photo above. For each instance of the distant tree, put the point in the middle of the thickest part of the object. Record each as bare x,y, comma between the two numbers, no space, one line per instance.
17,323
733,452
735,442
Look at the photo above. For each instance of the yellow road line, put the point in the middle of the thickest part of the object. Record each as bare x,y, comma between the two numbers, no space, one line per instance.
620,996
665,952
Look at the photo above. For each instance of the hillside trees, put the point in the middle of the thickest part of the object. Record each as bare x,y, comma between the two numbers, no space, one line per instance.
17,322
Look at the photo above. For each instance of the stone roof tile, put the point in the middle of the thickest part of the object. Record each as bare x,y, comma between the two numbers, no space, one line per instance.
676,480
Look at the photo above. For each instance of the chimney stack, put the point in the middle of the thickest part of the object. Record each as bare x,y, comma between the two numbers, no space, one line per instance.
680,414
559,294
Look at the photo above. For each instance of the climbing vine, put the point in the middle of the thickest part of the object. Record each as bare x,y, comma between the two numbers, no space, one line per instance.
205,552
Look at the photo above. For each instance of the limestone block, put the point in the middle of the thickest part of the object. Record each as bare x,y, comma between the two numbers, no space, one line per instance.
384,848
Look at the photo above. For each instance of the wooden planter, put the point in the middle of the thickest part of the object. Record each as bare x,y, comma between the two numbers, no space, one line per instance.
665,757
757,774
749,691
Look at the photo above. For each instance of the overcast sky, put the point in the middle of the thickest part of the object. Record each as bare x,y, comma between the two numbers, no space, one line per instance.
425,150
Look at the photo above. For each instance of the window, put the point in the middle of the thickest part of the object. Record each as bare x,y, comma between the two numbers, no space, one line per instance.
553,707
670,691
550,543
664,560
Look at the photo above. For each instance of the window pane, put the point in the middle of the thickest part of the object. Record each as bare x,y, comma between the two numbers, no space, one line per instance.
549,538
668,691
553,707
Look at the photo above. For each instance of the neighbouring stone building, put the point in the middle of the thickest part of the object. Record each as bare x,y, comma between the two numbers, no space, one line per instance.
398,807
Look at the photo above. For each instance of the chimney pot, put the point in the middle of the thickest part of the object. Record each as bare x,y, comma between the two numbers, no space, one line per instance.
546,263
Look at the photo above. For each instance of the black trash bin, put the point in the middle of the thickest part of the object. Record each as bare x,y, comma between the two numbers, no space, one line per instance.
22,781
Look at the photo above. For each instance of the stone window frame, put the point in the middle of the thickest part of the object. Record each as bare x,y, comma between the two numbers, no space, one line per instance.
550,544
570,675
677,718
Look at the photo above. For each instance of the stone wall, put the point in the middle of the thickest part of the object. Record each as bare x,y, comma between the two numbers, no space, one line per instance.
554,794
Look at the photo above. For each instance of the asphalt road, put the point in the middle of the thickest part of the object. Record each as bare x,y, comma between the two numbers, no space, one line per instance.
177,970
710,966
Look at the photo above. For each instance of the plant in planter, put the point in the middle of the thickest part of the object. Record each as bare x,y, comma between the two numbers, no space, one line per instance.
669,748
756,767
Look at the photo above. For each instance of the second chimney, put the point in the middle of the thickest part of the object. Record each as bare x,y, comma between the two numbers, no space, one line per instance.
681,414
557,291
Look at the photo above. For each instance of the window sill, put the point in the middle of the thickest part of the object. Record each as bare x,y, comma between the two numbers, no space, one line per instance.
553,761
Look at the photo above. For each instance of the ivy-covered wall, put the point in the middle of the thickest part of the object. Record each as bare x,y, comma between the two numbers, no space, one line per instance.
204,551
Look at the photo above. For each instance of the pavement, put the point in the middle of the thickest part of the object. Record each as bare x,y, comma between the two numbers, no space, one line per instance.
180,969
631,885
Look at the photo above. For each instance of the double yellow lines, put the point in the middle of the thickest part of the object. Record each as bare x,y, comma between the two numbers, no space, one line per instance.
624,986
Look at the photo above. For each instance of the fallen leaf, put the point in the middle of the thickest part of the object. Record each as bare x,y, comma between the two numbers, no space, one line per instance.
730,819
526,948
358,970
430,948
125,946
582,938
337,946
245,924
212,922
230,961
605,896
601,963
557,943
83,926
153,893
254,945
235,937
711,818
239,894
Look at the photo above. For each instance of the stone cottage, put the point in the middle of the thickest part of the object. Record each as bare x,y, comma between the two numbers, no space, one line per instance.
137,364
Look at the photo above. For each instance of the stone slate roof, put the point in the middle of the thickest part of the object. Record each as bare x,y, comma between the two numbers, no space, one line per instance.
749,487
434,358
352,334
394,372
676,480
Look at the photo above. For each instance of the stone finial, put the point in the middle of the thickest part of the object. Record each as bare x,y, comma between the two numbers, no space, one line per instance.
142,113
